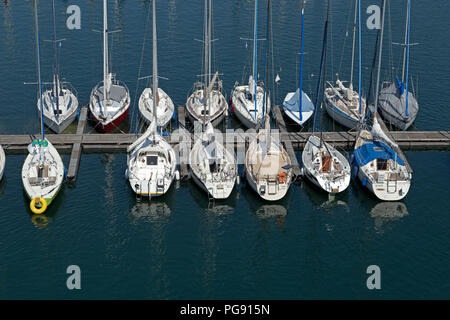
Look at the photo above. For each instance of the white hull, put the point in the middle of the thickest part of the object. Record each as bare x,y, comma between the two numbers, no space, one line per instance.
386,191
213,167
151,166
386,177
340,117
244,109
295,116
68,106
330,172
216,106
47,183
265,170
164,108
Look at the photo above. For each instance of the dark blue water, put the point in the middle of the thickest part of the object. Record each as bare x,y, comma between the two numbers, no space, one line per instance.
180,247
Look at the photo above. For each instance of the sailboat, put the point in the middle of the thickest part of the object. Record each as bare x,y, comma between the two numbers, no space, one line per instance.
60,103
43,169
213,166
377,164
110,99
151,159
297,105
247,100
397,105
2,162
323,165
268,167
343,104
164,104
216,103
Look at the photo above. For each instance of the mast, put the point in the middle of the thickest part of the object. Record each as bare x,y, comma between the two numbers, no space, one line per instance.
55,88
353,46
209,54
406,41
377,88
267,65
301,62
408,20
359,58
106,80
255,56
205,96
38,65
155,66
325,68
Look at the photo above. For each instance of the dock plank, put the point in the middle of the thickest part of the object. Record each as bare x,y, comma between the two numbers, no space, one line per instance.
75,156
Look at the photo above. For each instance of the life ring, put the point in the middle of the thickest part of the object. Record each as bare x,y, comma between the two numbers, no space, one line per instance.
38,210
282,177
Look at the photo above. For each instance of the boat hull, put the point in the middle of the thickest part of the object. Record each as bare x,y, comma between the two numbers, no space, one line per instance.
339,116
108,127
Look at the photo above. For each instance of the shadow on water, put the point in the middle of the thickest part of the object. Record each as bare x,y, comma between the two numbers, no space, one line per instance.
213,207
322,200
268,211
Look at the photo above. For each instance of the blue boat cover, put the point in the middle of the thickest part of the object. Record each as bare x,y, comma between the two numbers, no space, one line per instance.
375,150
293,104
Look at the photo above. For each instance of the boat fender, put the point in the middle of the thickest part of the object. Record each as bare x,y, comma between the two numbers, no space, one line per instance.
34,205
364,182
282,177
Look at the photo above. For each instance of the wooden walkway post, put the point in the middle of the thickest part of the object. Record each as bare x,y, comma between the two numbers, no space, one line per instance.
77,147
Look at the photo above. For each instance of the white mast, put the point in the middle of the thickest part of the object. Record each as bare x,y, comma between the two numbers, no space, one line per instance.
405,44
255,48
353,46
155,66
106,75
379,60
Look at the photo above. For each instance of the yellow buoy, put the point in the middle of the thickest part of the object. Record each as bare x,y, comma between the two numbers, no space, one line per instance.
38,200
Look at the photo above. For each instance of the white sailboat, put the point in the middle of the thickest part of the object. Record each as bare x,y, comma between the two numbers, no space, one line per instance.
151,159
343,104
322,163
268,167
397,105
60,103
216,104
213,166
378,165
326,167
43,169
297,106
164,104
109,102
247,100
151,164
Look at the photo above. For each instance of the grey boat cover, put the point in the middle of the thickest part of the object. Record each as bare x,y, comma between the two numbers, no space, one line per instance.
392,102
293,104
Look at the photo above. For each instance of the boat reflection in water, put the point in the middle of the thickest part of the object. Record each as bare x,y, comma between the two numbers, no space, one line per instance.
151,211
321,200
386,212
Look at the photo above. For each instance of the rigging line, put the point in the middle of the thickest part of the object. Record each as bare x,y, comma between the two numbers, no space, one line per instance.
321,66
134,112
323,79
345,40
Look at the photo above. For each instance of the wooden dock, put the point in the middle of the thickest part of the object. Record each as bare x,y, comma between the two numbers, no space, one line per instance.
75,157
287,143
82,142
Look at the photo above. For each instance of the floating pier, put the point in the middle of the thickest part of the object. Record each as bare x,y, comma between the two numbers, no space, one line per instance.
81,142
75,157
